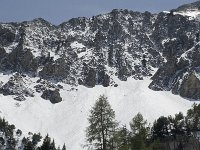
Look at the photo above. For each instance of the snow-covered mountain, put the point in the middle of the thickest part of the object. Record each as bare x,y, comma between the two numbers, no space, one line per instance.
51,75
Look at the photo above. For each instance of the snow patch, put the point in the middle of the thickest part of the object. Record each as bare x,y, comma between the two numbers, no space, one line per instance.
77,45
66,121
192,13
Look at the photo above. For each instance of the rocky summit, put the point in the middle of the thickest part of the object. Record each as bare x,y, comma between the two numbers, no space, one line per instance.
94,51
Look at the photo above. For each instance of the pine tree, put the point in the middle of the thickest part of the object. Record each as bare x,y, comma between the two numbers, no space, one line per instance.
58,148
193,120
64,147
122,138
36,138
29,146
161,127
46,145
102,126
52,146
139,131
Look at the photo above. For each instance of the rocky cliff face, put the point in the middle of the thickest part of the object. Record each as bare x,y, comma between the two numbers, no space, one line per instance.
93,51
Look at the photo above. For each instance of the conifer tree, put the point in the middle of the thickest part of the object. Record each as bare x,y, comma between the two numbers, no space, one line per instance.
58,148
64,147
46,145
102,126
161,127
139,131
122,138
36,138
52,146
29,146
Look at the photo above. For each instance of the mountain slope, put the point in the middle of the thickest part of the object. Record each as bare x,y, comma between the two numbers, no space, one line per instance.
88,51
50,76
66,121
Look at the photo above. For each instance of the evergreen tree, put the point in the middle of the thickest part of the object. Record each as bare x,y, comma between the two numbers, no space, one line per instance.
52,146
100,132
139,131
176,124
46,145
64,147
161,127
122,138
156,145
29,146
193,119
36,138
58,148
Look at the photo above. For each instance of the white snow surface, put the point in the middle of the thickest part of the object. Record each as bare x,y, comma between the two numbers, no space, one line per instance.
189,13
66,121
76,44
192,13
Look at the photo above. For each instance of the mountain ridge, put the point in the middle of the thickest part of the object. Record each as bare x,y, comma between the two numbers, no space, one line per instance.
50,76
88,51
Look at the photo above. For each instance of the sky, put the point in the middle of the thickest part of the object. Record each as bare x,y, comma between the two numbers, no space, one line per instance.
58,11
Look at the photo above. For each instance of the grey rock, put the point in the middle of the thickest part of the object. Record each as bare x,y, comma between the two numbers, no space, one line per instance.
56,70
20,60
103,78
194,5
107,45
7,35
190,87
162,78
20,98
46,85
2,52
90,78
16,86
52,95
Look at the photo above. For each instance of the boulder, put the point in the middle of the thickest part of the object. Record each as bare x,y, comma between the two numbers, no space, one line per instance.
52,95
16,86
190,87
20,98
45,85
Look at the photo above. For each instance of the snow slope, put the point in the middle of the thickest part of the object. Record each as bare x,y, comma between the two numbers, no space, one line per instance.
192,14
66,121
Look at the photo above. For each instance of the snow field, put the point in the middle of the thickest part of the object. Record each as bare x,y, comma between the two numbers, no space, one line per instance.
66,122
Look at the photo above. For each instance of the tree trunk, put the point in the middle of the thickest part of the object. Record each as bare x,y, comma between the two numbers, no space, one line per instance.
102,131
